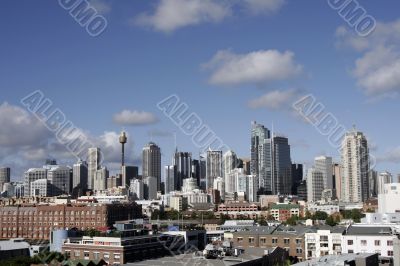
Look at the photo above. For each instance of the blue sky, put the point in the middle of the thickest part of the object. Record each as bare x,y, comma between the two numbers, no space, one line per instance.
198,52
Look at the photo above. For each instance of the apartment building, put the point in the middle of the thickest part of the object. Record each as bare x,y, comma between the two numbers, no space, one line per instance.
325,241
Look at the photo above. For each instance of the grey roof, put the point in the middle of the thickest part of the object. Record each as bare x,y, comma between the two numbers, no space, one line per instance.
335,260
368,230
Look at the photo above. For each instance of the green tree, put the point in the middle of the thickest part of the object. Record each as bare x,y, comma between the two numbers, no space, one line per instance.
318,215
292,220
330,221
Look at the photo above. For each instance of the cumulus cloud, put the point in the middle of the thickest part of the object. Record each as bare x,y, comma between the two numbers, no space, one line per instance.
263,6
170,15
377,70
25,142
257,67
131,118
274,100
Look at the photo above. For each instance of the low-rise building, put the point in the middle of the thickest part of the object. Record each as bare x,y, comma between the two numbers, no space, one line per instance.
282,212
327,208
325,241
368,239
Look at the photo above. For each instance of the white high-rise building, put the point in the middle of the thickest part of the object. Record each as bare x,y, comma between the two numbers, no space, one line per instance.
32,175
323,164
136,189
94,161
80,176
383,179
100,179
41,188
230,162
213,167
231,180
355,161
151,162
315,185
388,201
219,184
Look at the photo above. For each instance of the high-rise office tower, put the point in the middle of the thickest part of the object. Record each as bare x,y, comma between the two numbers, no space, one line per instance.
258,134
324,165
219,184
196,171
214,167
383,179
100,179
230,162
4,176
266,166
337,171
79,177
170,181
373,183
315,185
94,160
297,177
129,172
60,178
183,167
355,161
150,187
151,162
32,175
282,166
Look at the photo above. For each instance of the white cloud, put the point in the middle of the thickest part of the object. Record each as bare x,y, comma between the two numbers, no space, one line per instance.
263,6
170,15
274,100
174,14
261,66
101,6
129,118
377,70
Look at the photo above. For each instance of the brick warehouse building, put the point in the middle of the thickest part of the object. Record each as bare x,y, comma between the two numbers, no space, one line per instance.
37,221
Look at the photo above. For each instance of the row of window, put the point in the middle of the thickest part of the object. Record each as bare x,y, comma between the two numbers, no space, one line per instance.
364,242
263,240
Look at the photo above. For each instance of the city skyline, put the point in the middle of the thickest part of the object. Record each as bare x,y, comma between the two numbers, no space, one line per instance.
114,81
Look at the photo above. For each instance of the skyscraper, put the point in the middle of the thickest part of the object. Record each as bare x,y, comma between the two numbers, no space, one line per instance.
282,166
151,162
129,172
79,177
355,161
214,167
183,167
297,176
170,183
94,160
230,162
324,165
258,134
315,185
383,179
100,179
337,177
4,176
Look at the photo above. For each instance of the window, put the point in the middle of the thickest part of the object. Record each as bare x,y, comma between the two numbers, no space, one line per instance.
263,241
390,253
350,243
299,251
390,243
86,255
251,240
117,256
96,255
323,238
274,240
106,255
363,242
240,239
298,241
351,251
377,242
77,253
286,241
